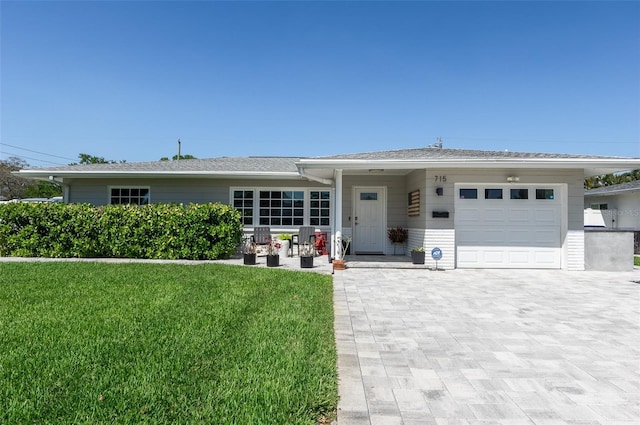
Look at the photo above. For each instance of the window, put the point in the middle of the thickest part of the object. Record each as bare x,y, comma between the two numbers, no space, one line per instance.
468,193
544,194
599,206
319,207
369,196
281,208
243,202
519,193
493,194
129,195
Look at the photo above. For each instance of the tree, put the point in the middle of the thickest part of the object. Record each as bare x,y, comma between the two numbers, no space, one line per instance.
85,158
13,187
611,179
43,189
175,157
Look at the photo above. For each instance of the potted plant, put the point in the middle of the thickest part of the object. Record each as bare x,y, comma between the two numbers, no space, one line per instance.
249,253
397,236
339,262
285,242
417,255
306,256
273,254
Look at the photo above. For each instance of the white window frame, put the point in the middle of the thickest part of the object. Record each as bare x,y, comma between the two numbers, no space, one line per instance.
306,218
109,188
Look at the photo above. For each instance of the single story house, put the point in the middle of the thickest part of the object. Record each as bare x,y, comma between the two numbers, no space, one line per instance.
619,205
482,209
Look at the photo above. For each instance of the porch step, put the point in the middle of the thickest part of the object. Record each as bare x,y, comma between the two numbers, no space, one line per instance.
384,265
382,262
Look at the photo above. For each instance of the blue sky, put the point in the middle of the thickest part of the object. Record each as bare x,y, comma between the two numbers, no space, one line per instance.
124,80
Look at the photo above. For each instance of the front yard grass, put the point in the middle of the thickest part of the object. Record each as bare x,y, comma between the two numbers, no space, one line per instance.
148,343
636,260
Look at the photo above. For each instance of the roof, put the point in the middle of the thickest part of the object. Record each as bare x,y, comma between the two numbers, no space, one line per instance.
615,189
436,153
421,158
321,168
251,166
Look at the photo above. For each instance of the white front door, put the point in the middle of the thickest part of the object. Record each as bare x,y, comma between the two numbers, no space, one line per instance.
369,215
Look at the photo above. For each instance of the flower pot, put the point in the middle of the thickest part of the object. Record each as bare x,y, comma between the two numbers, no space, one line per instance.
306,262
339,264
273,260
284,248
417,257
249,259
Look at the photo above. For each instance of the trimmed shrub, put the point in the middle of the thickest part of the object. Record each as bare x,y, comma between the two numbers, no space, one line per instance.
162,231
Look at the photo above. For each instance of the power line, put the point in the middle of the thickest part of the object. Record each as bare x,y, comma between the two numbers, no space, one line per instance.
40,153
33,159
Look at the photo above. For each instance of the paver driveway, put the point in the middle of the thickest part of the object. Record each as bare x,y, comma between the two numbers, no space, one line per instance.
488,347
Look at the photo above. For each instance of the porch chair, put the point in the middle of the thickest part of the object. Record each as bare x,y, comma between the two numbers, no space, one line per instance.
306,234
261,235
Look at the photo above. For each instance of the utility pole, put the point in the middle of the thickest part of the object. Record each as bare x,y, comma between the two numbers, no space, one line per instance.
179,146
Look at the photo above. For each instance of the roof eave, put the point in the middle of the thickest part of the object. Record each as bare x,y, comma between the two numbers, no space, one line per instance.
260,175
581,163
612,192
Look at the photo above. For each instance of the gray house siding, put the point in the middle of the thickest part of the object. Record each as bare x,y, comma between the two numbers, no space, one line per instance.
96,192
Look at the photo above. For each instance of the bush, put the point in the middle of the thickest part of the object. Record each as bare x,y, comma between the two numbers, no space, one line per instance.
162,231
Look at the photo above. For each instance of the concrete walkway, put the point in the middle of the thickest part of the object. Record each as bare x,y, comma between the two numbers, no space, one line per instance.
488,347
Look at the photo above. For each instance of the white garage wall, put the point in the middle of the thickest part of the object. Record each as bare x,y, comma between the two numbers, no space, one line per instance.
627,208
572,233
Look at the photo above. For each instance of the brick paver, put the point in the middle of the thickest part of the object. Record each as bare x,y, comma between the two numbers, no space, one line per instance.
488,347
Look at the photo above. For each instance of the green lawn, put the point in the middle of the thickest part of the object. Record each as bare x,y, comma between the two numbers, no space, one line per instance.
147,343
636,261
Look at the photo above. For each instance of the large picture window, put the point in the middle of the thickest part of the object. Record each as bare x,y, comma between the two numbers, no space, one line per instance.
129,195
282,208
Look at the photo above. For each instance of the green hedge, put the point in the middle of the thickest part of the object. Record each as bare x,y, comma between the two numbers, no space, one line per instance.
162,231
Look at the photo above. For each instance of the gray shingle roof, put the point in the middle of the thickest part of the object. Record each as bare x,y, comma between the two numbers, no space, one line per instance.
616,188
436,153
222,164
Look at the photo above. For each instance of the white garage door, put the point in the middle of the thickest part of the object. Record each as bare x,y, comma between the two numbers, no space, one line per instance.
508,226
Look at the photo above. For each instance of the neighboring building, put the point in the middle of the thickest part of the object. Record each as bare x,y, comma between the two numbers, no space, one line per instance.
619,205
482,209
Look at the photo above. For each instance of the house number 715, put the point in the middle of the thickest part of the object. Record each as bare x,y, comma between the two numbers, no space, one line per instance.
441,179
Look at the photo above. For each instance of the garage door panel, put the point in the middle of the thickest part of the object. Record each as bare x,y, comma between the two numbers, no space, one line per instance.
469,256
493,237
546,216
467,215
520,257
549,258
494,215
493,257
508,233
519,237
546,237
518,216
